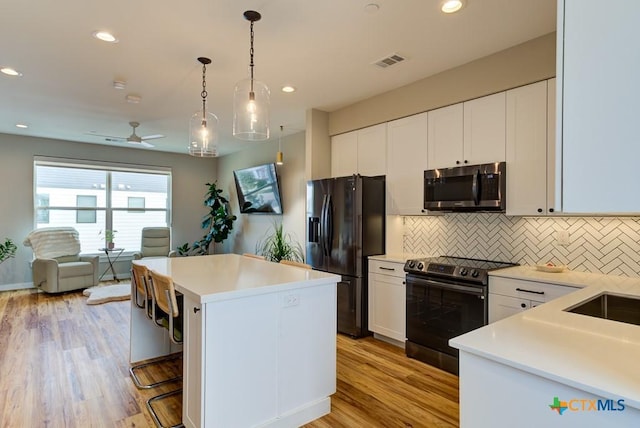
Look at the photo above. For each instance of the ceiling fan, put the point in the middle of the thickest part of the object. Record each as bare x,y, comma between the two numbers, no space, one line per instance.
133,138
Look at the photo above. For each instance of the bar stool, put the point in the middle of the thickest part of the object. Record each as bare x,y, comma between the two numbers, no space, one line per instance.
292,263
143,299
167,313
254,256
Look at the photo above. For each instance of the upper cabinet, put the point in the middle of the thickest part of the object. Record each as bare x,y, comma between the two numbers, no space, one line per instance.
445,136
406,162
484,129
468,133
598,84
530,152
360,152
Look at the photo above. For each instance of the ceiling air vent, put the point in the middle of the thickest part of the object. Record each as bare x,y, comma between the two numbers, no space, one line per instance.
389,60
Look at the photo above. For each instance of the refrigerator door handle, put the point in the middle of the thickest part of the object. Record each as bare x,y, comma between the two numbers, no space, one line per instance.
329,232
323,225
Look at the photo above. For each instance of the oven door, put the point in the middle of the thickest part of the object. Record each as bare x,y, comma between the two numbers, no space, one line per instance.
439,309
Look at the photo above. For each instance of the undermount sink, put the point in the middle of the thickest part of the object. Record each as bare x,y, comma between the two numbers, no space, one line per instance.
611,307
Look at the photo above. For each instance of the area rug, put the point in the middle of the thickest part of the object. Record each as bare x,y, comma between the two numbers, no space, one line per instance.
107,293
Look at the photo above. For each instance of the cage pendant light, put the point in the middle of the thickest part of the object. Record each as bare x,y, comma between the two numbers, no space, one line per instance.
203,126
251,99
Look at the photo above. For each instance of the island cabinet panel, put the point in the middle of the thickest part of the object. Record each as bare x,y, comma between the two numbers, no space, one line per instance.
262,359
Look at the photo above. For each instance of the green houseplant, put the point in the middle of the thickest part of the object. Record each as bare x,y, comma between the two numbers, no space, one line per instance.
278,245
218,222
7,250
109,235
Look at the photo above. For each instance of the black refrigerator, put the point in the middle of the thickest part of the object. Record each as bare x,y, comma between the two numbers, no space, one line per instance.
345,224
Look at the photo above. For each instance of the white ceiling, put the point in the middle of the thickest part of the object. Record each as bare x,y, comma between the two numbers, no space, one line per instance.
325,48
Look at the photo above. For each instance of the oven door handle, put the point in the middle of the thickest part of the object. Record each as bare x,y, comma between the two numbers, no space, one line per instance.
476,291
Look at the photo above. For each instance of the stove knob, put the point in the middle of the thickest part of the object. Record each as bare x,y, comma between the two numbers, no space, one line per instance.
463,272
475,273
412,264
420,265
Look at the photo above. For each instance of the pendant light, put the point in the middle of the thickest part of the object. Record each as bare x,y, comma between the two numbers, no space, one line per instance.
203,126
251,100
279,155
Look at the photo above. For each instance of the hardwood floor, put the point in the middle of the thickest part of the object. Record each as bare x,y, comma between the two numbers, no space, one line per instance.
65,364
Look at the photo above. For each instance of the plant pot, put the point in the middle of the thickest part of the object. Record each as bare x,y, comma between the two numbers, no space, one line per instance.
111,245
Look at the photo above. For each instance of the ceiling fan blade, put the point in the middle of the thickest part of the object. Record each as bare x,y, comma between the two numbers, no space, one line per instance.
153,137
141,143
108,137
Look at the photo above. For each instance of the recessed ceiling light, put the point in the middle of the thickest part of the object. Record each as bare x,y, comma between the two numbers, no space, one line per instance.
451,6
22,125
10,71
372,8
105,36
288,89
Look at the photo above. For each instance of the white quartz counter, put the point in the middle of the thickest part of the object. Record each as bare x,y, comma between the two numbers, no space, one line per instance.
590,354
228,276
566,277
397,257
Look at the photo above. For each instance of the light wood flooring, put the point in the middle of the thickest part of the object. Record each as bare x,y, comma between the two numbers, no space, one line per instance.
65,364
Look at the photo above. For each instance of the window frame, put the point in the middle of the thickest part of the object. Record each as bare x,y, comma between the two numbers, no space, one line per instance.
108,168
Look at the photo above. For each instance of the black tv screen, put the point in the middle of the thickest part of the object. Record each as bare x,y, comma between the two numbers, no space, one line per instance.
258,189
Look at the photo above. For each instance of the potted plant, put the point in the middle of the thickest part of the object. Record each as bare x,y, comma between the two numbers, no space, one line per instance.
278,245
218,222
7,250
108,238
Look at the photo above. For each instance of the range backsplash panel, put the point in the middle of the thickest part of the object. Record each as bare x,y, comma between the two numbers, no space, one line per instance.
609,245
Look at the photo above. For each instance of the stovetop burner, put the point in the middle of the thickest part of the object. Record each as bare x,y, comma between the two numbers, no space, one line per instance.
460,268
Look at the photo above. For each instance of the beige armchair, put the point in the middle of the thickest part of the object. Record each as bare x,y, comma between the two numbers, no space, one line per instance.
58,265
156,242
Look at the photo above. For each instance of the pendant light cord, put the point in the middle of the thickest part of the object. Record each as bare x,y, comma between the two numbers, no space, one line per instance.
204,94
251,57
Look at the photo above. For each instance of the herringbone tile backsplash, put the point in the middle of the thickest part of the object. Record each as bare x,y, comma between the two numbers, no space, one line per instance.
609,245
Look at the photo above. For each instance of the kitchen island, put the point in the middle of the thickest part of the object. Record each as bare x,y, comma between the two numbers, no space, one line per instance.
259,340
553,368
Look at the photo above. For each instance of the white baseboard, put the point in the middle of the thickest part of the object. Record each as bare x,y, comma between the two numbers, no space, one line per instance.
10,287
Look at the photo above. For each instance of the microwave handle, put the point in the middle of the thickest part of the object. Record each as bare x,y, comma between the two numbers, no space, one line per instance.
475,187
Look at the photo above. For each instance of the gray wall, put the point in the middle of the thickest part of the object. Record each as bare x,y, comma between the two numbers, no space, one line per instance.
251,228
189,176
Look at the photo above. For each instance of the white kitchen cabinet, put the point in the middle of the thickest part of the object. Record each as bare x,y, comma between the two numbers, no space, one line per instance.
387,299
468,133
484,129
360,152
445,142
530,153
509,296
406,162
598,86
344,154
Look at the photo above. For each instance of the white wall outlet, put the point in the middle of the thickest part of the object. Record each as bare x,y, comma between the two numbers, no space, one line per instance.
291,300
562,237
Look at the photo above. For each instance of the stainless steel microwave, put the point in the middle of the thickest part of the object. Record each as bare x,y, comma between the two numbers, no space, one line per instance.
466,188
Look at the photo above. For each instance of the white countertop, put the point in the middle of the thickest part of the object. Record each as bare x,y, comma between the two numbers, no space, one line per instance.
591,354
566,277
397,257
228,276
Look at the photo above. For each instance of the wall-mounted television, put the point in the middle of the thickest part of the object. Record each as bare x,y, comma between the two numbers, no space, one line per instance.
258,189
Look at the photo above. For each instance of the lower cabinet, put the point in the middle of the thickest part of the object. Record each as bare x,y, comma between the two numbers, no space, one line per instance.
387,299
509,296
